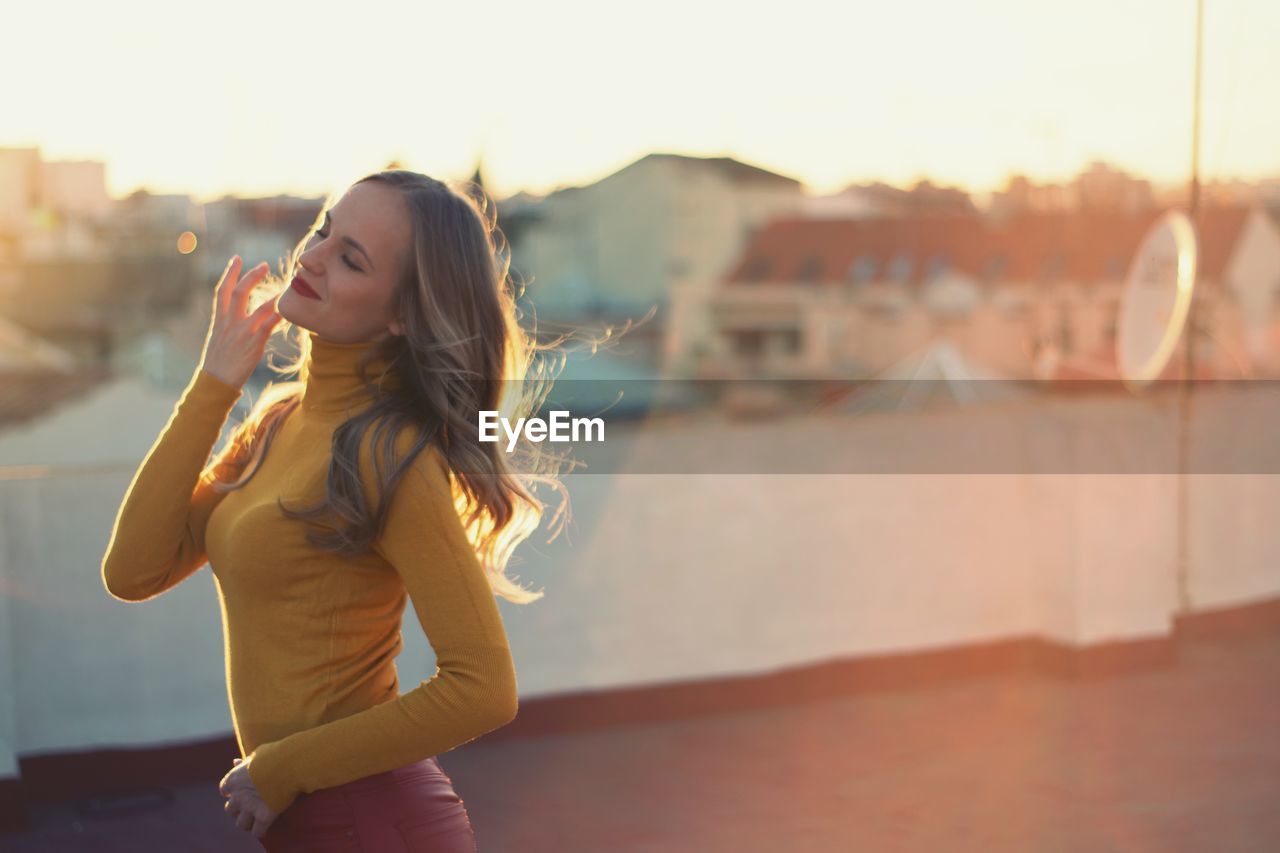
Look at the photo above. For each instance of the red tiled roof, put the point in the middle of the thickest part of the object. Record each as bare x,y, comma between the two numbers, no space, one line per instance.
1084,247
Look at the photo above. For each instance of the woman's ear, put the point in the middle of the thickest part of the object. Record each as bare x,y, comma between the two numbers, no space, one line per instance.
396,327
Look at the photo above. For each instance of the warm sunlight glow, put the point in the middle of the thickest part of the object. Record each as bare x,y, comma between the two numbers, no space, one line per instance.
186,243
827,93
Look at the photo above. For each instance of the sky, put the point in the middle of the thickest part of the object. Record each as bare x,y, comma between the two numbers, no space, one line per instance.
258,98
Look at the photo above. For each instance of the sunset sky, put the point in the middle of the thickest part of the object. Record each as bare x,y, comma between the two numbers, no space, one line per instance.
257,98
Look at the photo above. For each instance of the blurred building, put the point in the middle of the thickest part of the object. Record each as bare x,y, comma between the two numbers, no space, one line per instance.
76,188
29,184
86,305
50,207
840,205
924,198
144,211
621,247
1099,187
19,187
257,229
97,286
1021,195
847,299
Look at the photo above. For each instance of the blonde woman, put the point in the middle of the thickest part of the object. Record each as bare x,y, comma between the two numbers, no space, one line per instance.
343,494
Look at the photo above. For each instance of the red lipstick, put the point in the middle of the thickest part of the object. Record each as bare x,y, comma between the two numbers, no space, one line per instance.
300,285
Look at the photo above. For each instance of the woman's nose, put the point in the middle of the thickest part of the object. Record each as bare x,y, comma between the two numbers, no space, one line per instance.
307,262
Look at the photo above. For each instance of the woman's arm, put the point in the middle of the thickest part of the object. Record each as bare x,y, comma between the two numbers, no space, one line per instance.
473,691
158,537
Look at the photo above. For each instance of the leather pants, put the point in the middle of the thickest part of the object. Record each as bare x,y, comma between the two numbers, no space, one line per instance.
411,809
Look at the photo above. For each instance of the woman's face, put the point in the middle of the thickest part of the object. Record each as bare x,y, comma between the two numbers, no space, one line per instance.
352,265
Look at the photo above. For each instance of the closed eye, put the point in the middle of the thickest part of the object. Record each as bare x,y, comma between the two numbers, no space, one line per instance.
345,259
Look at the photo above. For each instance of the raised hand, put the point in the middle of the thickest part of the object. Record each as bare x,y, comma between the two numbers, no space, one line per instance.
237,339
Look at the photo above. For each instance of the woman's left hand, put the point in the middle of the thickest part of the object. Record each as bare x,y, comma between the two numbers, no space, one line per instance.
243,801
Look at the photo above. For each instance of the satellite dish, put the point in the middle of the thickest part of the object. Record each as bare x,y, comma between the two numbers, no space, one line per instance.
1157,298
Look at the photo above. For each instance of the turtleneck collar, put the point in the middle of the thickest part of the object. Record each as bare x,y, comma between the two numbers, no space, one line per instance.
333,383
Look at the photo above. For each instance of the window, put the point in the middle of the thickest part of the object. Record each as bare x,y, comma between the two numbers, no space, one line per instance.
938,265
810,269
749,342
995,268
900,268
1055,265
788,341
862,270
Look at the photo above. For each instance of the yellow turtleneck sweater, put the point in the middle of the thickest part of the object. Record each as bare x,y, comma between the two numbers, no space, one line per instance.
311,637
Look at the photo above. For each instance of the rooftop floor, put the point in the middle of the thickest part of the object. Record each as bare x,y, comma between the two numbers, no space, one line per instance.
1180,758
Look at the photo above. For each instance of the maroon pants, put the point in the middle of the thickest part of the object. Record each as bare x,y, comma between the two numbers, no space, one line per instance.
412,809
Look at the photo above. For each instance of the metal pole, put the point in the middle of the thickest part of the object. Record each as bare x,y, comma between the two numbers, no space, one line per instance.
1189,366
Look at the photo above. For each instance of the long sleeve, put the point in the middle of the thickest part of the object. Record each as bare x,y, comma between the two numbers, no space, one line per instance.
158,537
474,690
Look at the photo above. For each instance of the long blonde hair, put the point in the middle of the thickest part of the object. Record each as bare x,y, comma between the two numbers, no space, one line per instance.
463,350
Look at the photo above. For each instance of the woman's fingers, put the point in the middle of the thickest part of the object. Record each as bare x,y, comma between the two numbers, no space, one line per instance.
236,340
240,293
261,824
264,315
222,293
233,289
251,815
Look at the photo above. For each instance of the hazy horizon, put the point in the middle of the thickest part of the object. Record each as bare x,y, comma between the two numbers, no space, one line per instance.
962,96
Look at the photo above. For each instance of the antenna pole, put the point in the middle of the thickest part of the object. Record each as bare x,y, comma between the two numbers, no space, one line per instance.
1189,366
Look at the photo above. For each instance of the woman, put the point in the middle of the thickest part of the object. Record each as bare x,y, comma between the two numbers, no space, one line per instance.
339,496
